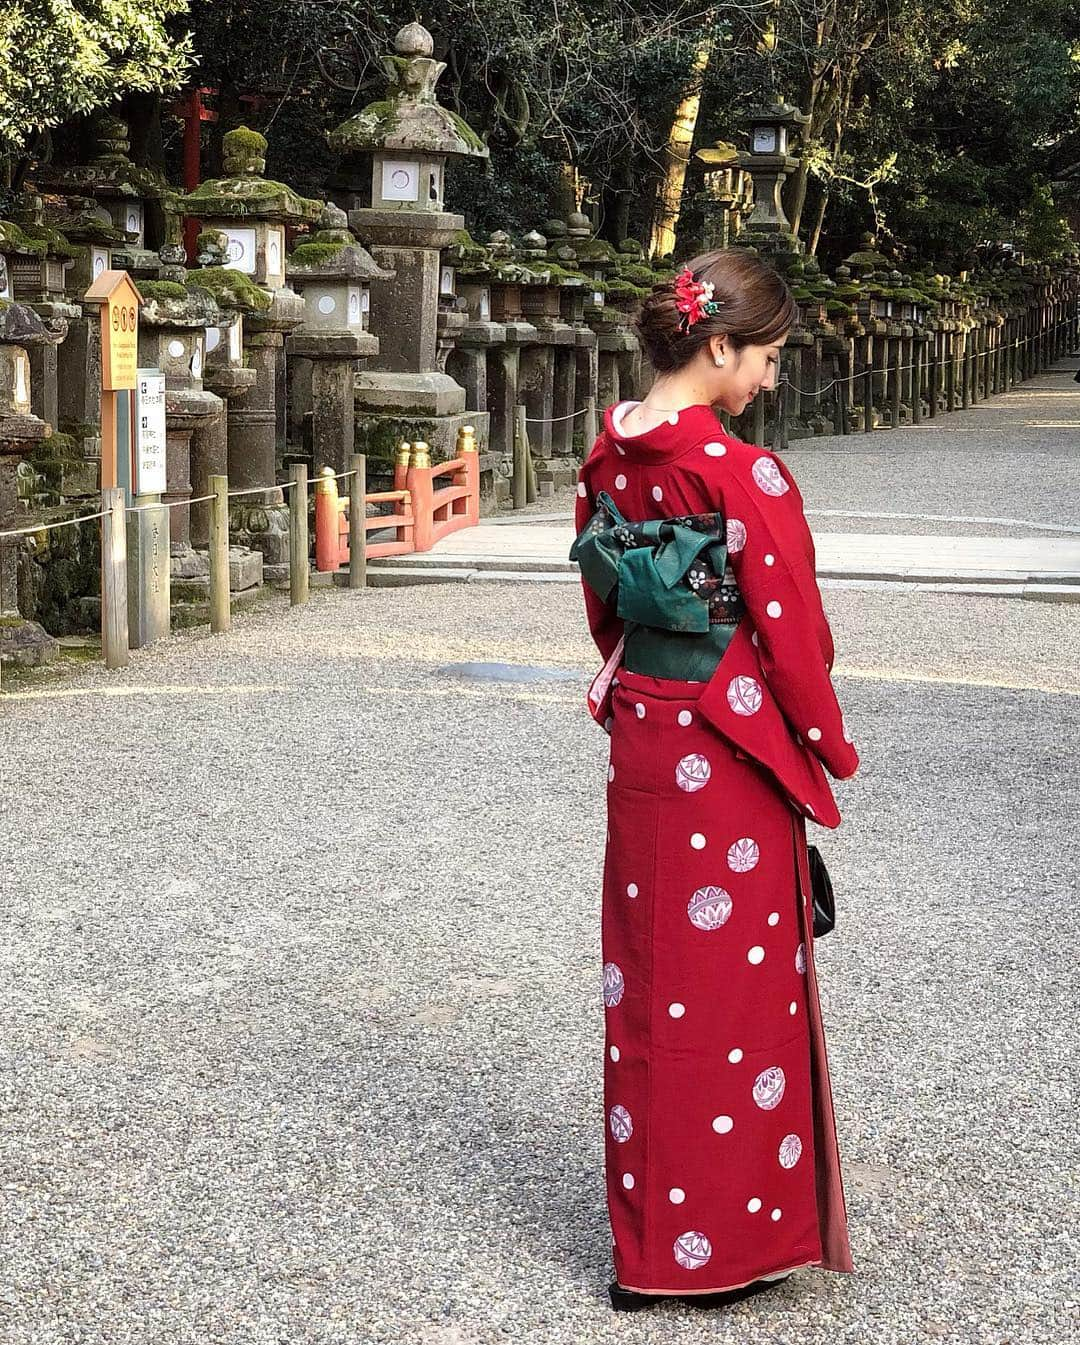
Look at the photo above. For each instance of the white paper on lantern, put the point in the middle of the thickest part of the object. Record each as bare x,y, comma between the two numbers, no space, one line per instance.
485,306
5,279
400,180
22,392
240,250
99,261
213,339
764,140
327,303
177,349
273,252
354,303
197,360
236,336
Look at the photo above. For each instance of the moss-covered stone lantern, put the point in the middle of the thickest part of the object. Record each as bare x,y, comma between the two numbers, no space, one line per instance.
392,179
769,160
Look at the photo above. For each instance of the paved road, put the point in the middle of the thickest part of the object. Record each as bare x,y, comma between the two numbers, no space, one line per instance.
301,1001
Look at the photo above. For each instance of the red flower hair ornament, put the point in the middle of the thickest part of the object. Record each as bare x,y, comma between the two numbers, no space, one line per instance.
694,299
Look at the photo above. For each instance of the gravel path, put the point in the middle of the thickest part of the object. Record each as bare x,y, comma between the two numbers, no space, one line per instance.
301,1009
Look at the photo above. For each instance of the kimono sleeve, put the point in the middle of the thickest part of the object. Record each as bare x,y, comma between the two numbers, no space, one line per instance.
774,569
606,626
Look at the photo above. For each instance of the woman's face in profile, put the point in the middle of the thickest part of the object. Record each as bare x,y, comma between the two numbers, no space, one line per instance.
746,372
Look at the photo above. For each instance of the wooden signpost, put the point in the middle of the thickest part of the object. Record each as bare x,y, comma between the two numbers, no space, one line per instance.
118,299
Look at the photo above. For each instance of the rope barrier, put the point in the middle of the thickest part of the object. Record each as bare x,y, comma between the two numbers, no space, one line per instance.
63,523
554,420
168,504
857,374
262,490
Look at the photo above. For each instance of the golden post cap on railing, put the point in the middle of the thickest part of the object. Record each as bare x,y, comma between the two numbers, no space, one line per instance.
466,441
325,479
421,455
404,453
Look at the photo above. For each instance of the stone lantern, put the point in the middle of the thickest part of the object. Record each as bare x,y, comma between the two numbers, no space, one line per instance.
21,642
769,160
251,213
392,181
333,273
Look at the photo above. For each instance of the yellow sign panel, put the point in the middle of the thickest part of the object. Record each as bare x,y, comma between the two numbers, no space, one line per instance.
119,300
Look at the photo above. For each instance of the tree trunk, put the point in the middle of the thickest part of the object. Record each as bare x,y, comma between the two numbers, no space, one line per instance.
676,158
815,233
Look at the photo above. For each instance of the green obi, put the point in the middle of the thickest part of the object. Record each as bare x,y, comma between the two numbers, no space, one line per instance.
671,584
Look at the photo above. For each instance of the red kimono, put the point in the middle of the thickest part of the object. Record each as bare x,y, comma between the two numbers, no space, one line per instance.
722,1163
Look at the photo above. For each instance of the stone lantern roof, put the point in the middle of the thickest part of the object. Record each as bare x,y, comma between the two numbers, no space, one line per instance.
334,252
244,193
409,118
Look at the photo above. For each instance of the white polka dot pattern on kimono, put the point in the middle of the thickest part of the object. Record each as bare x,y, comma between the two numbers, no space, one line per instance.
775,1215
754,639
621,1123
793,1008
639,710
756,955
715,450
770,559
767,477
692,773
743,855
685,719
814,735
774,609
631,889
800,958
736,535
620,482
614,1053
697,841
790,1151
581,489
673,419
614,984
709,908
734,1056
657,494
753,1205
620,450
628,1181
769,1088
676,1195
610,774
723,1124
692,1250
744,695
676,1010
774,919
609,723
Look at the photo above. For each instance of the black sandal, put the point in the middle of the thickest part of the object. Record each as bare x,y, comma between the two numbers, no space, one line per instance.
628,1300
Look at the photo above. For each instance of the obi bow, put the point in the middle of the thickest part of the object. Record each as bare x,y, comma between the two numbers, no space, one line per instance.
667,572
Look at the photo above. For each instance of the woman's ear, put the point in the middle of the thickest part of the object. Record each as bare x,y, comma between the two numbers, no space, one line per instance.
717,351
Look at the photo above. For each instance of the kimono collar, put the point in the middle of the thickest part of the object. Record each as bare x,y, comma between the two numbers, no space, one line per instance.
681,431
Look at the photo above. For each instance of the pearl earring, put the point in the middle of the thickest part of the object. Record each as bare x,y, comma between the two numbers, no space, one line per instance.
720,361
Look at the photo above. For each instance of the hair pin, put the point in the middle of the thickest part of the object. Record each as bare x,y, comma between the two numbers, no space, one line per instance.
694,299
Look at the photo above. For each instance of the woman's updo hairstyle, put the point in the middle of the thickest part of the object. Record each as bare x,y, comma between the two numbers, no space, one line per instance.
756,309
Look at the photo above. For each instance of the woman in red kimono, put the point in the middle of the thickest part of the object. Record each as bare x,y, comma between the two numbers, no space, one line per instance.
723,1174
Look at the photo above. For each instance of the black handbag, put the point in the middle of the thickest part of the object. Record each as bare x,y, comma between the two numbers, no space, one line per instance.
821,893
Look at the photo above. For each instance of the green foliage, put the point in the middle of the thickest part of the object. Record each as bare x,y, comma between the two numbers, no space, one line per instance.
63,57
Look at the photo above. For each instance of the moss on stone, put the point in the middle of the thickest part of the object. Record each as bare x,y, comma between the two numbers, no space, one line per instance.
835,309
622,291
230,289
17,241
252,196
466,132
160,290
55,242
315,254
369,129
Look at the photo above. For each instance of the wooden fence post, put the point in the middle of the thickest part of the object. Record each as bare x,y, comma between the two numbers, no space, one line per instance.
357,515
592,428
299,561
114,608
220,614
519,481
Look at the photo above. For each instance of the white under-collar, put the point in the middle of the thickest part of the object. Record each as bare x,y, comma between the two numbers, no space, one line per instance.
618,415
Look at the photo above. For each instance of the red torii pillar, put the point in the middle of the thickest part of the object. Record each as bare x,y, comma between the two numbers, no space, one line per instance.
192,113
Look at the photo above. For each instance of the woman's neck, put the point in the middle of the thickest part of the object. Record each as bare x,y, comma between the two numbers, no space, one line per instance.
675,392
